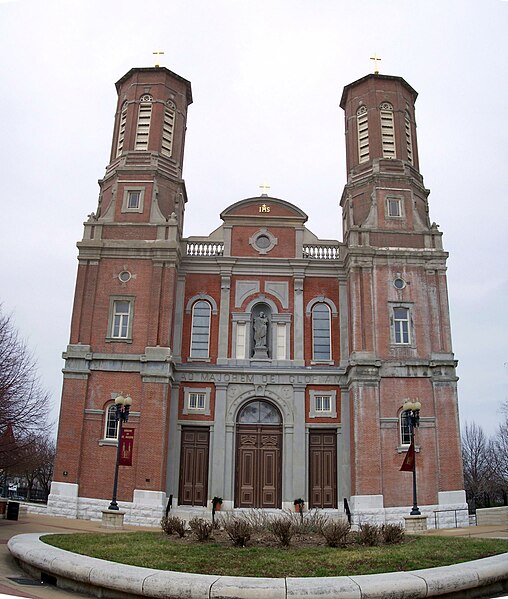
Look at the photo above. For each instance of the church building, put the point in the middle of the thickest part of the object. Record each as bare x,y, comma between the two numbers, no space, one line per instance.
264,364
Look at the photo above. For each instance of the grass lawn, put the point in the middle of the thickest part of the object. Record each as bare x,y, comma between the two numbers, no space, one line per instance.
156,550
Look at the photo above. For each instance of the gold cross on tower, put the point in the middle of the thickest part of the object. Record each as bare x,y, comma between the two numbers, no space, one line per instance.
157,54
264,187
376,59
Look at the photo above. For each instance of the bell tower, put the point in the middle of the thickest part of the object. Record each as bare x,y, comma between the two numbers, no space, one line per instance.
123,313
400,342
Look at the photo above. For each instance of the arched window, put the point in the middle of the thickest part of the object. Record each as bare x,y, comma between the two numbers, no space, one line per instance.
111,424
143,126
121,130
387,130
167,129
200,339
321,333
409,138
404,428
259,412
362,124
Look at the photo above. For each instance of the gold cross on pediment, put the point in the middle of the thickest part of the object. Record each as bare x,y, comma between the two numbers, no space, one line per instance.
263,188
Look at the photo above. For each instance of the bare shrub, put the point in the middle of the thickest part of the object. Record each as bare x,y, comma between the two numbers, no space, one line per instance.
313,521
239,530
258,519
201,528
336,532
368,534
282,529
180,527
169,524
392,533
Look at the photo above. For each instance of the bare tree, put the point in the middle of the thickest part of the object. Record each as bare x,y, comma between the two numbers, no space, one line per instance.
24,403
477,457
500,451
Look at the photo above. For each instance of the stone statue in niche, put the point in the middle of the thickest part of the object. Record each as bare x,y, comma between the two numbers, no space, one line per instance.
260,334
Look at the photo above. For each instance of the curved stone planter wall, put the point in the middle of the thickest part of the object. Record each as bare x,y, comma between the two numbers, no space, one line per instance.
107,579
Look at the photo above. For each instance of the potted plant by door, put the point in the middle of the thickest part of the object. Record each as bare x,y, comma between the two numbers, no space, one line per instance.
216,504
299,503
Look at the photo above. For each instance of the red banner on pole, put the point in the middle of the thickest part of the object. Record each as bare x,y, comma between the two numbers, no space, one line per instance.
409,460
126,447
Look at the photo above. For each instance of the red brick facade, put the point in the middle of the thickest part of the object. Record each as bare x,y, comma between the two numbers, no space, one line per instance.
259,332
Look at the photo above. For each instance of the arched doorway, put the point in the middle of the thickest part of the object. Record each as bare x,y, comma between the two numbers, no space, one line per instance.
258,476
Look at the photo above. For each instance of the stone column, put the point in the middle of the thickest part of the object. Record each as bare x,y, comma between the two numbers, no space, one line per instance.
224,312
173,468
299,318
299,449
218,445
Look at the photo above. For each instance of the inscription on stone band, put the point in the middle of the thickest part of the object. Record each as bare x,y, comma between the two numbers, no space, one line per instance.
256,379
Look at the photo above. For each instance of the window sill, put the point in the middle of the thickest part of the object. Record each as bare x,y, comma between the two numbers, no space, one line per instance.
118,340
191,359
110,442
317,362
404,448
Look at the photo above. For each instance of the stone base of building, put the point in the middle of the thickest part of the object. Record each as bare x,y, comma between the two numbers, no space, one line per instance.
148,507
451,511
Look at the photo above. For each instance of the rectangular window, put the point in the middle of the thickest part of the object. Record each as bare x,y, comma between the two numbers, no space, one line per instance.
167,132
323,403
409,140
121,319
143,128
363,136
405,429
197,401
394,207
401,326
133,200
121,131
387,134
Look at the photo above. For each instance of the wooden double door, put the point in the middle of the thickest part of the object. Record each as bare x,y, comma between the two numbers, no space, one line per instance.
258,466
193,488
323,469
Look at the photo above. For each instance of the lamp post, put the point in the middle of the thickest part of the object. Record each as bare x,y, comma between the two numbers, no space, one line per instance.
412,410
123,406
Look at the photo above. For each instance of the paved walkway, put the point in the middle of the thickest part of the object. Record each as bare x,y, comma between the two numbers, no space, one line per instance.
34,523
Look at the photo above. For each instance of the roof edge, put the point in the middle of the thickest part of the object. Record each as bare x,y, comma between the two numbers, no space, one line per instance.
346,89
154,69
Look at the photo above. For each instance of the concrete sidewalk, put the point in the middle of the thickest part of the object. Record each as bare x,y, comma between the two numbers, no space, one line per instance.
46,524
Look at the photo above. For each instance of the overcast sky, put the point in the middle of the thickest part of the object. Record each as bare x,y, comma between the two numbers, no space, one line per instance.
267,76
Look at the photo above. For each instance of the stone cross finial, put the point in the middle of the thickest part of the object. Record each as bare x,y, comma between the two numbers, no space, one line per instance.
376,59
157,54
